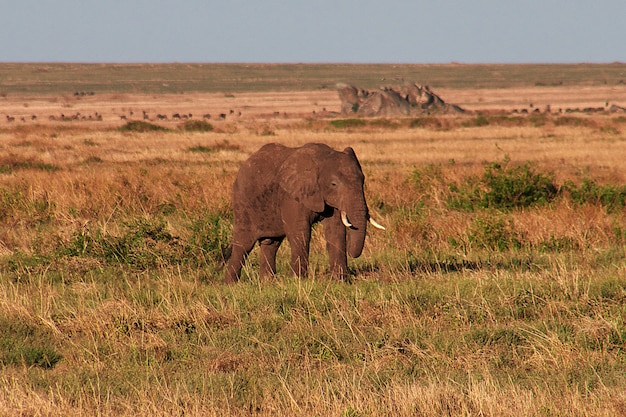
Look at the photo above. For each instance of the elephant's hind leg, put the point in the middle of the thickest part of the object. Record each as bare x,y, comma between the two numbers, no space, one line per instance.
237,258
269,247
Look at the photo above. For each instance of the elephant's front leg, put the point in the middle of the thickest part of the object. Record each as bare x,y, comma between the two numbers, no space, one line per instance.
269,247
299,236
335,233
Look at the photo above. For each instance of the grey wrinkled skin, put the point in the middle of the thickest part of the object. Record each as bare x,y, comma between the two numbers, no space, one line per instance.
281,192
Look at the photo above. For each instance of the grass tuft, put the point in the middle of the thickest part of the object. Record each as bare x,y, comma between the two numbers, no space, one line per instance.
197,126
141,126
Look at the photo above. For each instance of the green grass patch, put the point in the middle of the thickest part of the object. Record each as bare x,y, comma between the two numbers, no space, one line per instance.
224,145
612,197
197,126
347,123
11,164
504,187
201,149
140,126
23,343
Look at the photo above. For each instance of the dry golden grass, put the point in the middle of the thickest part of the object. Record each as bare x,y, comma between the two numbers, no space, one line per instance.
432,324
101,171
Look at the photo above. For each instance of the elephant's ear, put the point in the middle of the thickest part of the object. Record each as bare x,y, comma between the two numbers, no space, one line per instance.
298,177
350,152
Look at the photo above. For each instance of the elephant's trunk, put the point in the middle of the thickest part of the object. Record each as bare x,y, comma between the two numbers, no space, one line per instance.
355,237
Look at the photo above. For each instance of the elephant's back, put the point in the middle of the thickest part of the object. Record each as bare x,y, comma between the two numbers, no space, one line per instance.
257,175
271,154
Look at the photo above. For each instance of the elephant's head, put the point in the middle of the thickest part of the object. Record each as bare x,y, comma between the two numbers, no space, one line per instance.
323,179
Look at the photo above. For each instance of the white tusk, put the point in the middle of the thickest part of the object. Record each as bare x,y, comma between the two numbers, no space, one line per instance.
344,219
376,224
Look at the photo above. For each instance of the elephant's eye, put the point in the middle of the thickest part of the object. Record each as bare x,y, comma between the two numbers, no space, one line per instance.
333,184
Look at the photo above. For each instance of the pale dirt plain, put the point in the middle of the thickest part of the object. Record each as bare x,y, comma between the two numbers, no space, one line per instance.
111,302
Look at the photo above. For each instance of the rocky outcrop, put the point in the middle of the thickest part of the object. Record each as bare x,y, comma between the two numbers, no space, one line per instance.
408,99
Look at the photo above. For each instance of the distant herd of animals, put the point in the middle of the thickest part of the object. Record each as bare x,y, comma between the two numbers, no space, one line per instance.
613,108
607,108
126,116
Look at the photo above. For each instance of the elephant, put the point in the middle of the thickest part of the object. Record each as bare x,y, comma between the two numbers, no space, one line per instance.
281,192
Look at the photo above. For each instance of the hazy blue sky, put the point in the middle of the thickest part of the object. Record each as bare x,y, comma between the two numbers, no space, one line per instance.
407,31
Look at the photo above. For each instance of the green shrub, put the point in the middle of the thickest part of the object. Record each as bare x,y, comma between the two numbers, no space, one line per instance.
538,120
477,121
347,123
573,121
201,149
504,188
612,197
493,232
197,126
425,178
429,122
147,243
220,146
558,244
10,164
141,127
383,123
143,243
466,196
210,236
516,187
23,343
29,209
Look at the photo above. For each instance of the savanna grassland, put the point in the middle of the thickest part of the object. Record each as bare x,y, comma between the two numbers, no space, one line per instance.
497,289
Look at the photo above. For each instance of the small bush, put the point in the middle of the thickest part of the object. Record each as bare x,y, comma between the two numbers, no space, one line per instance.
426,178
347,123
23,343
141,127
573,121
434,123
477,121
558,244
493,232
13,163
197,126
537,120
147,243
504,188
516,187
612,197
31,210
201,149
220,146
210,236
609,130
143,244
